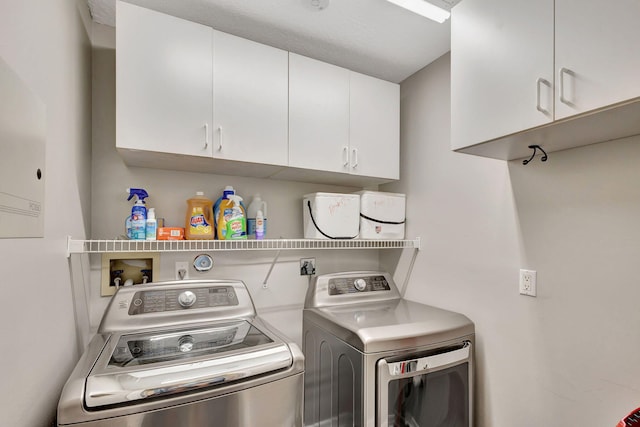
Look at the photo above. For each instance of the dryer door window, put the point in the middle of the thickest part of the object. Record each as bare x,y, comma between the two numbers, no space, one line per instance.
431,391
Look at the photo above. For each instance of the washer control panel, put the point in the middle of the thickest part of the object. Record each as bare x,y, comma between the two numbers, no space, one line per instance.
156,301
362,284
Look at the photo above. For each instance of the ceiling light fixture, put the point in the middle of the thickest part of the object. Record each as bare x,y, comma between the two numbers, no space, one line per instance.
423,8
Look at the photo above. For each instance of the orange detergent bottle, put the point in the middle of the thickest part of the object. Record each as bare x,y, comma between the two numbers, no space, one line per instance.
199,219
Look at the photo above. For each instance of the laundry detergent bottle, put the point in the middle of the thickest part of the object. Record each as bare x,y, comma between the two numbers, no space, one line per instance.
199,219
228,191
232,222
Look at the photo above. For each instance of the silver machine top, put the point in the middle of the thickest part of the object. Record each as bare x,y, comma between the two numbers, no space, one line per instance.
173,337
364,309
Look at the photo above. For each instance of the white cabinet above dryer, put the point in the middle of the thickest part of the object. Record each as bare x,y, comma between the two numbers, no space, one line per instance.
342,121
374,131
318,115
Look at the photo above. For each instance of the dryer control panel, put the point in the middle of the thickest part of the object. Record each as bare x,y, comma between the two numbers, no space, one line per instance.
350,288
349,285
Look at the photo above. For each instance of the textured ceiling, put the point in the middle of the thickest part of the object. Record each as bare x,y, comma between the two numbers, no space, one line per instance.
373,37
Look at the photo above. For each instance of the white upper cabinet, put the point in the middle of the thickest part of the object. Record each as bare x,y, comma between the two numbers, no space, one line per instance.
597,54
559,74
501,68
250,102
192,98
342,121
318,115
164,79
374,134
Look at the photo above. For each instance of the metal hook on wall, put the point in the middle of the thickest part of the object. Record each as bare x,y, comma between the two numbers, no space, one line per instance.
535,148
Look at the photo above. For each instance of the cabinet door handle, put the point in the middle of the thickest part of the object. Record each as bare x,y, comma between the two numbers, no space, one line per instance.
206,136
345,156
562,72
220,131
354,152
539,83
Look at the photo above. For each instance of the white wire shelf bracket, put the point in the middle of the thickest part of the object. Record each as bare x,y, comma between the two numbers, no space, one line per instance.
104,246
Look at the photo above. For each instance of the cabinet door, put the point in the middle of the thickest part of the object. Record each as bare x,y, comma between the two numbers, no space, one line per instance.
250,101
598,51
374,141
499,51
164,82
318,115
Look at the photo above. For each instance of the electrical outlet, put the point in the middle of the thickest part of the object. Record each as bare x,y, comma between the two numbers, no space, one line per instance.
182,270
528,282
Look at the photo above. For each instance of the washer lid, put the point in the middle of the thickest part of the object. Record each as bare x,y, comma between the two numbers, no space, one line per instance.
390,325
143,365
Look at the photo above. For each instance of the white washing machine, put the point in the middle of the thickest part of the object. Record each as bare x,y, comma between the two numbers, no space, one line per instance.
187,353
375,359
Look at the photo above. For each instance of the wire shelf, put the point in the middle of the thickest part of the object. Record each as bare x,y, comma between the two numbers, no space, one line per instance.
104,246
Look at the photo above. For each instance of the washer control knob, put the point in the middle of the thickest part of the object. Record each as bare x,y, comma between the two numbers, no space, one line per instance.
187,299
360,284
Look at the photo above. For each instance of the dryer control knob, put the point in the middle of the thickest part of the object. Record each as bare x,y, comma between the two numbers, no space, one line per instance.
360,284
186,343
187,299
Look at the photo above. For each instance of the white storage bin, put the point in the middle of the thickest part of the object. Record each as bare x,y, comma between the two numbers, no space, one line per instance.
382,215
331,215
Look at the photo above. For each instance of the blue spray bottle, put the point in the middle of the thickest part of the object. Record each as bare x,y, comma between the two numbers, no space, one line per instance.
138,213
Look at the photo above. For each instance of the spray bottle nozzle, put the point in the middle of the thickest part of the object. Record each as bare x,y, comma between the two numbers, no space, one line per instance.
139,192
235,199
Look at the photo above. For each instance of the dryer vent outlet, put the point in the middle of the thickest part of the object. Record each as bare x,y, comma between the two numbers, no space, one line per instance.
307,266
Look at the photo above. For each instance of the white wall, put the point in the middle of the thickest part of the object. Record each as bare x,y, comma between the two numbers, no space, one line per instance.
569,356
169,191
46,44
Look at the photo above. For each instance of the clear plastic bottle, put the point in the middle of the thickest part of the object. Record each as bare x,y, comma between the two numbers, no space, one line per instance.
259,225
257,204
199,219
152,224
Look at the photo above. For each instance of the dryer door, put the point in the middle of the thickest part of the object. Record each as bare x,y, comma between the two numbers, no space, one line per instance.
432,390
